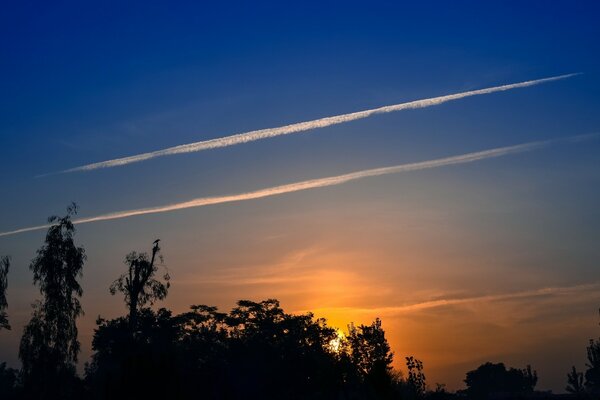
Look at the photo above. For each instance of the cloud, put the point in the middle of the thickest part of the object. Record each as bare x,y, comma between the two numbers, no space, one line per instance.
415,307
304,126
318,183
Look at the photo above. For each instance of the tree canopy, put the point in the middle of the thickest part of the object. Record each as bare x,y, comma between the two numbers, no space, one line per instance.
491,378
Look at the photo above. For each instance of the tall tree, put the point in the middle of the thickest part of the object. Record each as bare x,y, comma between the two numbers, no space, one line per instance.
4,266
49,346
371,356
370,349
138,284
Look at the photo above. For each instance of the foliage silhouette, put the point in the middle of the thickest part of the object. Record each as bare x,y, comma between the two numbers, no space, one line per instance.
138,284
131,367
49,346
4,267
592,375
8,382
416,378
294,349
255,351
489,379
371,355
575,382
439,393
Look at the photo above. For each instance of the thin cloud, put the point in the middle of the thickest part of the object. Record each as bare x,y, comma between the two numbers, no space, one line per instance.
319,183
415,307
303,126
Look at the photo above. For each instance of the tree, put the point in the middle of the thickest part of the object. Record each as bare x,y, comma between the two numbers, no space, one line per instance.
4,266
492,378
592,375
8,382
575,382
49,346
371,355
529,378
370,349
126,366
416,378
138,284
277,355
255,351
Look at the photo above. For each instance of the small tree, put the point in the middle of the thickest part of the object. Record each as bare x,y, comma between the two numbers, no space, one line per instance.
491,378
138,284
575,382
416,378
529,379
4,266
49,346
592,375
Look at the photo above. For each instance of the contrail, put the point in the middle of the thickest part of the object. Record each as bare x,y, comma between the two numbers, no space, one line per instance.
304,126
318,183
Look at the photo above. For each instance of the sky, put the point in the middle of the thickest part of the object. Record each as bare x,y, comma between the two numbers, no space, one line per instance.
490,260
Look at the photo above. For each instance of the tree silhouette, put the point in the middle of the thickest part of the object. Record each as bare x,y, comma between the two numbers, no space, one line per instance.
49,346
491,378
370,349
416,378
575,382
141,366
138,284
275,354
255,351
529,378
4,267
8,382
592,375
440,393
371,355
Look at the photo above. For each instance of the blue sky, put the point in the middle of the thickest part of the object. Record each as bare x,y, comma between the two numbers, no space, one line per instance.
89,82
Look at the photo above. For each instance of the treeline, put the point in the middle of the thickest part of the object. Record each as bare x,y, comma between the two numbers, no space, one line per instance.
255,351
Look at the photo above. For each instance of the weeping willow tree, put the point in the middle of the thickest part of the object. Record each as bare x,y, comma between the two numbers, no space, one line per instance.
49,346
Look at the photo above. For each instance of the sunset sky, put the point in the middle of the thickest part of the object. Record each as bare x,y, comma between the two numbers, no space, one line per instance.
496,259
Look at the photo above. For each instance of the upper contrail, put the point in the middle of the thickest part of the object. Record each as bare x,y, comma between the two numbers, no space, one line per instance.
304,126
317,183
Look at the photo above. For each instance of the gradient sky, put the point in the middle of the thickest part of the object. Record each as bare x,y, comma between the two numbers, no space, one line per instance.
490,261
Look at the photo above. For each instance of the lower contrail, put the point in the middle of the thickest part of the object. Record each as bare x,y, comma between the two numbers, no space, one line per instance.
304,126
318,183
